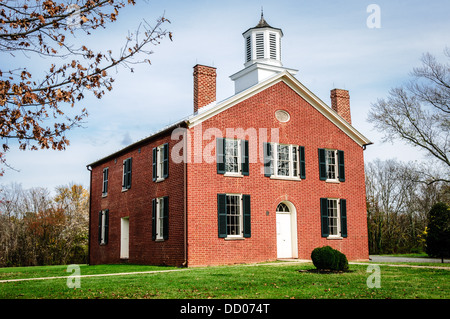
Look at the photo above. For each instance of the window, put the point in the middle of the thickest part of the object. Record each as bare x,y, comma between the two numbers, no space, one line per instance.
160,218
234,215
333,217
284,161
103,221
330,160
331,165
160,162
282,208
105,182
232,157
126,180
234,218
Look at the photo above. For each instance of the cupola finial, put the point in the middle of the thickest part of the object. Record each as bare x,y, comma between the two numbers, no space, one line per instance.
262,22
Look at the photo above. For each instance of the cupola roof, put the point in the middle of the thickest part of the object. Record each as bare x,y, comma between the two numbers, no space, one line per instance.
263,24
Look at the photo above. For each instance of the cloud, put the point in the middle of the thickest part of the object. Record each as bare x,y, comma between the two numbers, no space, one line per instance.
126,140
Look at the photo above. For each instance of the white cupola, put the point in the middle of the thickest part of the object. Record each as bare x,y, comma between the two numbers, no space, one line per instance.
262,55
263,44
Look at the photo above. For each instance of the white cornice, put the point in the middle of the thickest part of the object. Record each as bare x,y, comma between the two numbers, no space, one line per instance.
264,66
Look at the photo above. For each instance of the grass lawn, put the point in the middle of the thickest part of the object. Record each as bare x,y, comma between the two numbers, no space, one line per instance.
261,281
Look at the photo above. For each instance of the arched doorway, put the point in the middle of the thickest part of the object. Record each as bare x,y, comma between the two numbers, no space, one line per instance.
286,219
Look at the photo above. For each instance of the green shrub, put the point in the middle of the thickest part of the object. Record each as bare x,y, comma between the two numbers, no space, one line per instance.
438,237
327,258
342,262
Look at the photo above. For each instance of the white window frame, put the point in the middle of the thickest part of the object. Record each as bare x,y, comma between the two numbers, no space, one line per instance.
240,224
337,217
239,157
292,165
160,163
103,229
105,191
329,166
159,218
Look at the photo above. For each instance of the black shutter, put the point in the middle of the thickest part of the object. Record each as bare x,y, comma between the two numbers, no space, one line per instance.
343,204
154,168
125,168
220,150
154,219
246,213
127,174
322,165
166,218
100,227
166,160
106,225
245,162
222,214
268,168
341,166
324,217
302,162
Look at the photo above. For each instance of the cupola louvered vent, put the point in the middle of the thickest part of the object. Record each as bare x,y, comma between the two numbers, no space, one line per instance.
273,46
248,45
260,45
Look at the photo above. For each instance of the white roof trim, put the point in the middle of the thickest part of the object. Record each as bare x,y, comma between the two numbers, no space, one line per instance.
295,85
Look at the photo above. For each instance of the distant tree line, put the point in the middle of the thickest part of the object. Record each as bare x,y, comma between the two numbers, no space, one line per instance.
399,201
37,228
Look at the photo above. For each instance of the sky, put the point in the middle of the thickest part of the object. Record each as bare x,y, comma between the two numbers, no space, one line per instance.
328,41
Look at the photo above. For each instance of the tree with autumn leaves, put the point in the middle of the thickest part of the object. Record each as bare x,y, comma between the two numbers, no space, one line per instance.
37,228
37,110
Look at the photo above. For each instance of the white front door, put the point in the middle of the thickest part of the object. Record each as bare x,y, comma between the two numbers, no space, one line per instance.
124,237
284,237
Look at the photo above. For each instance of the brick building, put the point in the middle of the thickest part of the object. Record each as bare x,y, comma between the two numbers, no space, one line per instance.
271,172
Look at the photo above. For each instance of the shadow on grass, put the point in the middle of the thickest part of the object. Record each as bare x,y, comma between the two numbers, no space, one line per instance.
324,271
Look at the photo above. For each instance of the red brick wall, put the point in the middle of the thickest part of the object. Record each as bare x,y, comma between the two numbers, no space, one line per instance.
306,127
137,204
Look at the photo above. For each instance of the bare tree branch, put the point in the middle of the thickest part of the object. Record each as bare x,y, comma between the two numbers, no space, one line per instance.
43,28
419,112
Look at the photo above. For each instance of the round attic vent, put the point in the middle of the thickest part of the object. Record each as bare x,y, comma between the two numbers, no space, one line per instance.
282,116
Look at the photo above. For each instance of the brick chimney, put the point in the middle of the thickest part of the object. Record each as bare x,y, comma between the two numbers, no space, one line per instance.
340,102
204,86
